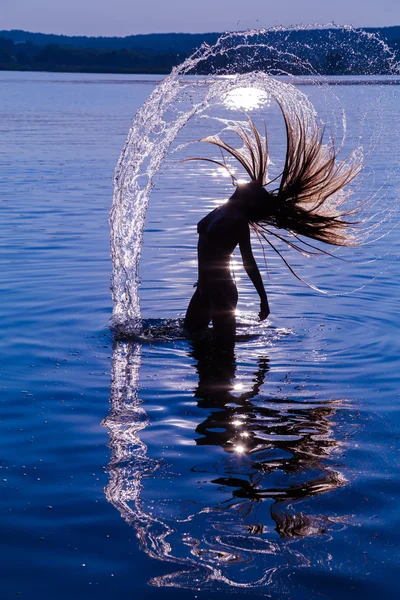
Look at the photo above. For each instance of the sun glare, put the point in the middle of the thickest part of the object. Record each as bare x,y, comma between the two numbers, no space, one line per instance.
246,99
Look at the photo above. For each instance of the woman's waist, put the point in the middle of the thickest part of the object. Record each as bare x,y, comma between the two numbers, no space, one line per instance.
220,266
215,277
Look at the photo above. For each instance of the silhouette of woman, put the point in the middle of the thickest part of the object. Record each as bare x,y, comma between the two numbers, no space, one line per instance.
309,202
219,233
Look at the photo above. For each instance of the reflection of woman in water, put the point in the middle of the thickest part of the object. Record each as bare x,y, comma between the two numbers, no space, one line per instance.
289,445
307,203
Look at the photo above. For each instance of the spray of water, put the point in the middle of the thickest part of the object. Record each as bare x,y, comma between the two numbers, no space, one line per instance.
269,62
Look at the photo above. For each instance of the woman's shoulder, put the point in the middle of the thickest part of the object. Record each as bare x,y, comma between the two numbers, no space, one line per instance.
219,219
205,221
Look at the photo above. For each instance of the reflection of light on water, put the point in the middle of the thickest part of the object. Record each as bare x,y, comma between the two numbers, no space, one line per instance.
240,449
236,270
235,265
247,98
221,172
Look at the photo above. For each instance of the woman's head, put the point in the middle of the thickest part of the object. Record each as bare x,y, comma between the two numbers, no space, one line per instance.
256,202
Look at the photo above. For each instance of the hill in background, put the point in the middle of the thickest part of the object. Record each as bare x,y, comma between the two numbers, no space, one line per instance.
158,53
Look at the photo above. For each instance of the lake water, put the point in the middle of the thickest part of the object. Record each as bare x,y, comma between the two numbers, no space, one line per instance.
163,468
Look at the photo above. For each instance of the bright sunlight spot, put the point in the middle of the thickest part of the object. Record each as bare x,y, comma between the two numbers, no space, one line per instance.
247,99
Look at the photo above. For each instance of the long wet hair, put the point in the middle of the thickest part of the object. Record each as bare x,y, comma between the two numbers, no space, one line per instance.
311,199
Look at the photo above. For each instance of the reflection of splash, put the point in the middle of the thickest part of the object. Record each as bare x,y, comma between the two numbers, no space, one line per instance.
243,526
126,419
129,461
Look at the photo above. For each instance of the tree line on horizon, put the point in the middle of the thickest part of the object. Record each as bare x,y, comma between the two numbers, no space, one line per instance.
326,51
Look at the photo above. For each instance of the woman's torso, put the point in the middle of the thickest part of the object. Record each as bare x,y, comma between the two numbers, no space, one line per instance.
219,234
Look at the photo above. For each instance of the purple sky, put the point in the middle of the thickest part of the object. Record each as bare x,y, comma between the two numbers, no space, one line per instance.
124,17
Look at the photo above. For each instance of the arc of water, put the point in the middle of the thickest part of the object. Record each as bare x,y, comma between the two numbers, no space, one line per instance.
156,125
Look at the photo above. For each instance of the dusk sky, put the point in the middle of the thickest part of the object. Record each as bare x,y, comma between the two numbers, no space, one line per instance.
124,17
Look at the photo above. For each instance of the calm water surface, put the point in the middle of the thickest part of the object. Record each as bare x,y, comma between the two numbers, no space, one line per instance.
162,468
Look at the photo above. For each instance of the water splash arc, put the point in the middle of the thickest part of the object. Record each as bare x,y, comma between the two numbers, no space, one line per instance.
174,102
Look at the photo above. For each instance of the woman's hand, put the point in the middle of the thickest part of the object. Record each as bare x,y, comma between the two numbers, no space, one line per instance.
264,310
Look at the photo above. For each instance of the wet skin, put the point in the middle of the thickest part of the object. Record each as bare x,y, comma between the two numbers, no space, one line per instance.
216,295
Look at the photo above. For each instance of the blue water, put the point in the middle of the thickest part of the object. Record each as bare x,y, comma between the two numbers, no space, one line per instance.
161,468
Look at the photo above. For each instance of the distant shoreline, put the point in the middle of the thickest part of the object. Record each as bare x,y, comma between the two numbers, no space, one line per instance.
88,72
328,52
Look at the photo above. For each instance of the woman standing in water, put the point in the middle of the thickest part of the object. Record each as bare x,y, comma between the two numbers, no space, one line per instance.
220,232
309,202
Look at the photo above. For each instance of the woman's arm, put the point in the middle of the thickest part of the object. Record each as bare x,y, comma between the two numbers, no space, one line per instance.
252,270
